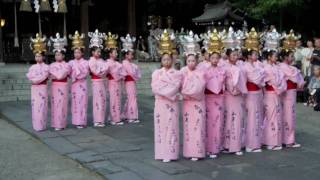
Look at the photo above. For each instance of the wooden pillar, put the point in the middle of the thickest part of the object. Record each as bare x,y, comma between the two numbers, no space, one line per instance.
132,16
84,21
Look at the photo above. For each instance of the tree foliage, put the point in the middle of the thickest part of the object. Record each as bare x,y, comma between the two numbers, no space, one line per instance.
259,8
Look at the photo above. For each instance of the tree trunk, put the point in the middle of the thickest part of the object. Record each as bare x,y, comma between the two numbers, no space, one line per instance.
84,21
132,17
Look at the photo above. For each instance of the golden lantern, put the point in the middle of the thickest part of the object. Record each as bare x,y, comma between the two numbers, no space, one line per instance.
289,43
215,43
166,45
111,41
252,41
38,44
2,22
77,41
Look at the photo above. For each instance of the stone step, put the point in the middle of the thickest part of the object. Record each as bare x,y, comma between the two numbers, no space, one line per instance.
14,86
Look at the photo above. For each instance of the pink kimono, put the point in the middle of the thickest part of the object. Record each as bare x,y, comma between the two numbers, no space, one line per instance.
215,85
38,75
255,82
165,86
133,72
115,74
98,69
59,72
79,91
272,123
194,113
234,111
295,81
204,65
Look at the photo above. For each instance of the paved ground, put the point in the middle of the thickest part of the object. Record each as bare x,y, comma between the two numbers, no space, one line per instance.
24,157
126,152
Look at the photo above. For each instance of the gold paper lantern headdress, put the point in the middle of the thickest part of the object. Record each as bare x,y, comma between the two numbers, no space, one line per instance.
77,41
215,44
111,41
289,42
38,44
166,45
252,40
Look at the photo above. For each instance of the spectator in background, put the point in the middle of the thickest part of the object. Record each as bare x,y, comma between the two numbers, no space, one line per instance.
315,59
306,58
314,87
298,54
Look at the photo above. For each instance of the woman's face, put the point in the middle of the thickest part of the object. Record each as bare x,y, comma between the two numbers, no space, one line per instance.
77,54
166,61
39,58
129,56
96,53
214,59
233,57
59,56
253,56
206,56
273,58
310,44
191,62
290,58
316,71
113,54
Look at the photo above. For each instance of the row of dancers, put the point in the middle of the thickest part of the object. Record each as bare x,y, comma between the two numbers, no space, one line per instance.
77,71
228,104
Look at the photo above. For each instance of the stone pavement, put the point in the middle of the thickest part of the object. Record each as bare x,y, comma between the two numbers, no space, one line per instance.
126,152
22,157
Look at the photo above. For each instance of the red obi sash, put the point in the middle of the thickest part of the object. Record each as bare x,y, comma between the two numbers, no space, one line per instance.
93,76
269,88
291,85
61,80
110,77
252,87
42,83
207,91
128,78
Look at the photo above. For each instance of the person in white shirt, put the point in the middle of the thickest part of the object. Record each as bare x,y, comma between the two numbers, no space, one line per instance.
306,57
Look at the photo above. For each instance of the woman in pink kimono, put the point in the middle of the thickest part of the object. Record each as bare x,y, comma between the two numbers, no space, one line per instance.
59,73
295,81
115,74
194,110
38,75
79,88
255,83
275,86
215,84
98,70
234,100
205,63
130,111
166,83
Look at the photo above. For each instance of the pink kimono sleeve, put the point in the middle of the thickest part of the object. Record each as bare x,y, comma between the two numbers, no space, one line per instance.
193,86
79,70
36,74
58,71
98,68
166,88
